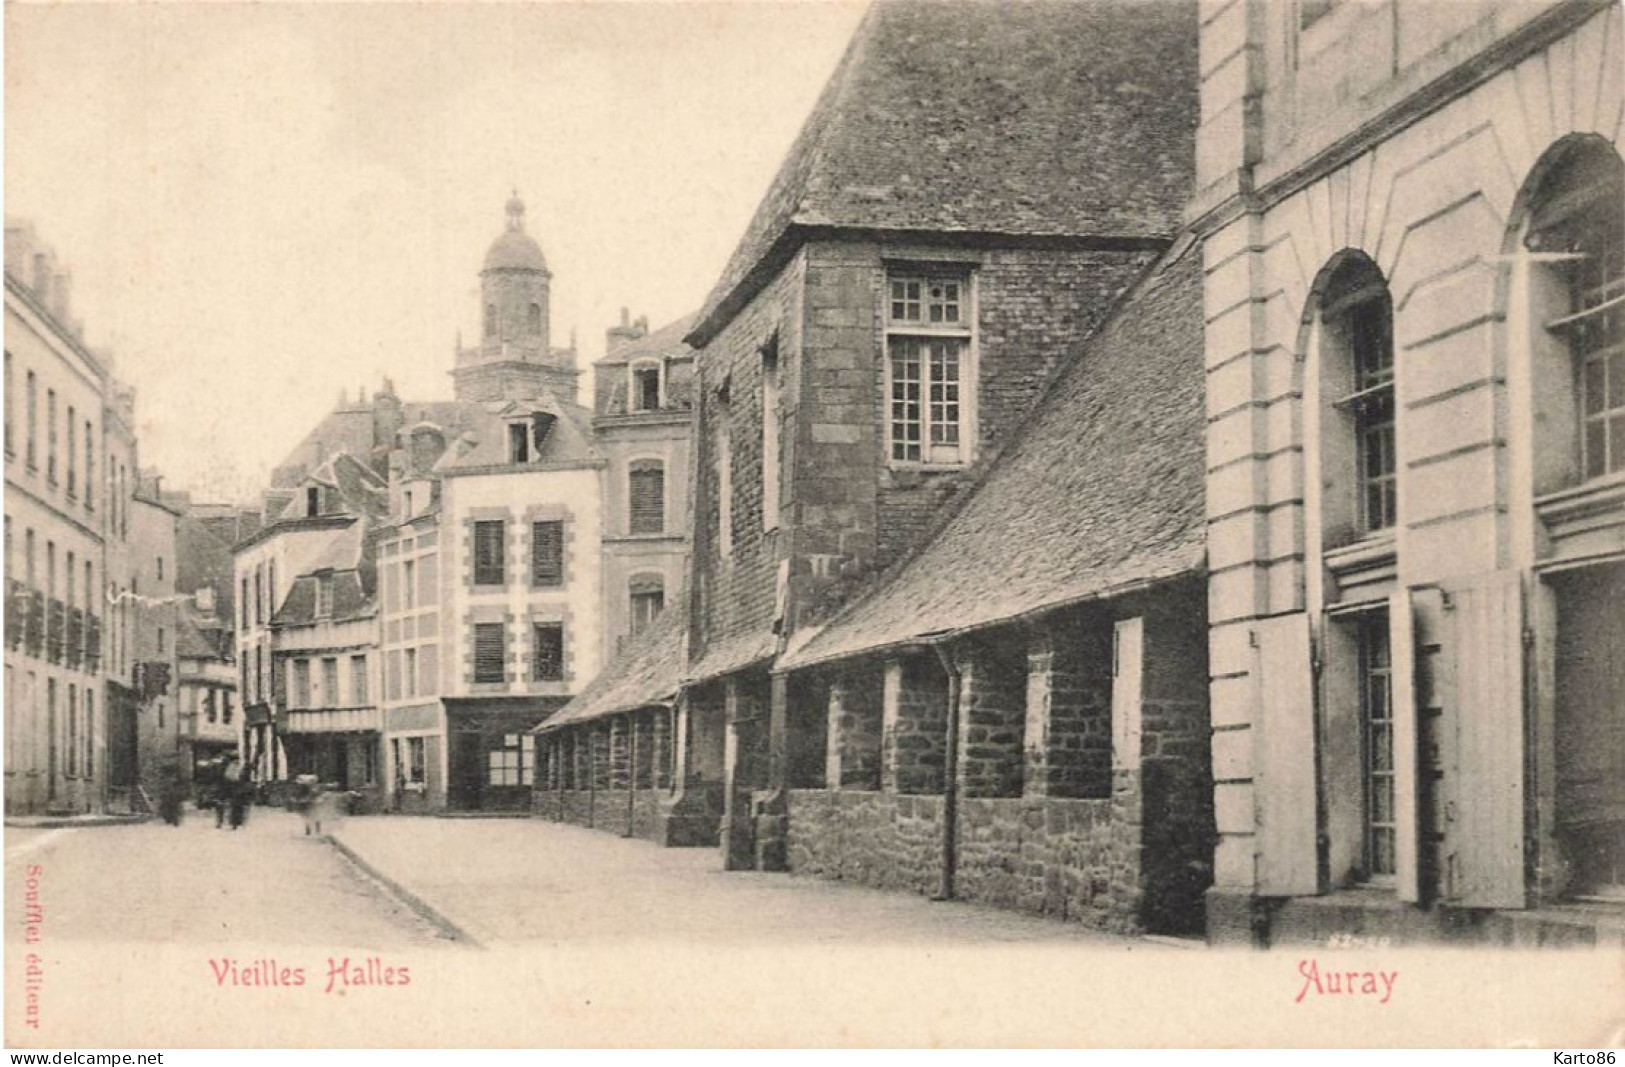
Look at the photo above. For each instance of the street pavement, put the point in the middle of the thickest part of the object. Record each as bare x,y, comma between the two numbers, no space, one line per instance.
266,882
510,881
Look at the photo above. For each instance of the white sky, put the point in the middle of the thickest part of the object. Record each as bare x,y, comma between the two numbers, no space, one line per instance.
264,204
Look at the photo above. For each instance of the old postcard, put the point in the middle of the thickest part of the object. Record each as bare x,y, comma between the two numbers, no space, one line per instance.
910,523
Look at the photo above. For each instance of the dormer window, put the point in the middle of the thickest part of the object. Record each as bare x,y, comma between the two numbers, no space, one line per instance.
518,443
324,596
313,501
646,386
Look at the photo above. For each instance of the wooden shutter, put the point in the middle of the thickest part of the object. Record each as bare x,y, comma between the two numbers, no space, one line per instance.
547,553
490,543
1487,830
1284,792
489,652
1402,647
647,491
1128,657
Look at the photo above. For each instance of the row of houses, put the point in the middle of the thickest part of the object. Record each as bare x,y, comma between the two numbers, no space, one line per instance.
113,652
1181,497
436,578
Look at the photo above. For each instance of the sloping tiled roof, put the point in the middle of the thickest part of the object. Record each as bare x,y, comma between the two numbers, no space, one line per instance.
484,442
1103,490
350,601
666,341
1041,118
649,671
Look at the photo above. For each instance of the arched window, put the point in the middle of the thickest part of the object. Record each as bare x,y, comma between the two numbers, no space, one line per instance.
490,321
1575,235
1359,472
646,497
533,320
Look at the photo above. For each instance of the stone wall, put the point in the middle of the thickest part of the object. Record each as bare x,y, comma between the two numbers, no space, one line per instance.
874,839
1069,859
606,810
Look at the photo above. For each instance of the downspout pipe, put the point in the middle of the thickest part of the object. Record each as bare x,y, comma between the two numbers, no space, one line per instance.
950,780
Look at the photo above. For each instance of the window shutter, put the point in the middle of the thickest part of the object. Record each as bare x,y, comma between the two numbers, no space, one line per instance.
489,665
1402,647
1284,784
1128,656
490,539
547,553
1487,822
648,499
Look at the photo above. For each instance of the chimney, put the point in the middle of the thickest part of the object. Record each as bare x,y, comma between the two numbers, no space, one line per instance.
618,337
61,287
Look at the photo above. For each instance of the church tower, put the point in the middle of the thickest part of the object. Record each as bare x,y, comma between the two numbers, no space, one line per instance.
514,359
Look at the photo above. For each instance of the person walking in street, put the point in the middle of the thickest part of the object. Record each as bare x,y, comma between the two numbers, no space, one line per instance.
237,786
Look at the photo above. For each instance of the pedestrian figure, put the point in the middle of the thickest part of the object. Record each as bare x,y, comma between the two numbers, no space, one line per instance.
171,793
307,793
237,785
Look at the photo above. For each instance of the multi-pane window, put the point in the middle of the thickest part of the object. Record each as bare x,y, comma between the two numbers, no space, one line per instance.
533,320
1377,720
646,493
770,434
547,553
88,758
513,763
490,321
928,345
90,466
722,450
330,683
33,421
647,602
409,584
73,451
50,436
358,681
1581,225
416,763
73,730
490,548
301,683
547,652
324,596
1364,322
409,673
490,652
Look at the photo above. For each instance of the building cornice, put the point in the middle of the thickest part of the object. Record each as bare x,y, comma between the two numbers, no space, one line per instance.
798,234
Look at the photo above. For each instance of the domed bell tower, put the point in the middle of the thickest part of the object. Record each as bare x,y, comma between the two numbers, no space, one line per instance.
514,359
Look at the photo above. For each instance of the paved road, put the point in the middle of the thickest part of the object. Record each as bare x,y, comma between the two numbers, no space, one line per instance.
265,883
511,881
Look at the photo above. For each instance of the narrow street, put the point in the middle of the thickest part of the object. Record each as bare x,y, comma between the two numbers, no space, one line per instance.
508,881
503,881
266,883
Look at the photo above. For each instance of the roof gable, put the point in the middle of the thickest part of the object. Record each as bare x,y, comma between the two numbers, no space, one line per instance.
1049,118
